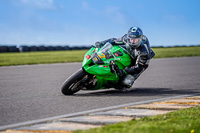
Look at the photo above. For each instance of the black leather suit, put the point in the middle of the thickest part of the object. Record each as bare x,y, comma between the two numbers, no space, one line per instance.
140,56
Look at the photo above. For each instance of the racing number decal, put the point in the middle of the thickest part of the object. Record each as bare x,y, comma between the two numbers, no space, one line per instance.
102,56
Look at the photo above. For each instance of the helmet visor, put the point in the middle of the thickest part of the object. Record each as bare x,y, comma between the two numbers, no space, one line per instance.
134,42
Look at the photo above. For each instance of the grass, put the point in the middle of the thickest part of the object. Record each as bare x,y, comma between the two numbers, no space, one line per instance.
9,59
28,58
183,121
176,52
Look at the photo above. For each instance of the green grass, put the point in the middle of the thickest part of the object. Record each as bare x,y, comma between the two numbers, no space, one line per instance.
27,58
183,121
177,52
8,59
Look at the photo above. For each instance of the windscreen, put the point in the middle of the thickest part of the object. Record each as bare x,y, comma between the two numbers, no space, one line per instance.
103,53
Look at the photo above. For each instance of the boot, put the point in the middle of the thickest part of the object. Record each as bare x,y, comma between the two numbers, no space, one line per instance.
128,81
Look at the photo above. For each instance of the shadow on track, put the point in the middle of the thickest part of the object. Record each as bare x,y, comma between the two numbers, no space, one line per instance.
137,92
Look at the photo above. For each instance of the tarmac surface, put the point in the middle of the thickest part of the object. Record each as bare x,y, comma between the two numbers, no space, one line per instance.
106,116
33,92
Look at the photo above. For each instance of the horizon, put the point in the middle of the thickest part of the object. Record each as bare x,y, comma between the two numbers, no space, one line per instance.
83,45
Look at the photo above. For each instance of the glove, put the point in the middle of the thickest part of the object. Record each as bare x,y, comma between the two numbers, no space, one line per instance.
121,73
115,68
98,44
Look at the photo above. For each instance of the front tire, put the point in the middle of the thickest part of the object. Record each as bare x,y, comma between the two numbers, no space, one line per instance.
73,83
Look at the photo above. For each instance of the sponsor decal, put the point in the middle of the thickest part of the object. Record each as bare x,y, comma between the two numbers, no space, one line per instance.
95,59
134,29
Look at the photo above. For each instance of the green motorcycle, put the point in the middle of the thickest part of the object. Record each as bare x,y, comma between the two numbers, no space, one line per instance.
98,69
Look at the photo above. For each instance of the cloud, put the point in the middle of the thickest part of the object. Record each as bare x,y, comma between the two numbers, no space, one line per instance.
40,4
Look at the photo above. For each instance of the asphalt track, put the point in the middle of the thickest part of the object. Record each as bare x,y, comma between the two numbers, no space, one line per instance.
33,92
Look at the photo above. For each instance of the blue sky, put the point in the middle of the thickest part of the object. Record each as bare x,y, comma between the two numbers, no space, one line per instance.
83,22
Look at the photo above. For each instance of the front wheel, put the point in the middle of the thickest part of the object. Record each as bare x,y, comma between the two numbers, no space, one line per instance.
73,83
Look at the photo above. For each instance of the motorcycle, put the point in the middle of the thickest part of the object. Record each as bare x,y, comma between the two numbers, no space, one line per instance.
99,69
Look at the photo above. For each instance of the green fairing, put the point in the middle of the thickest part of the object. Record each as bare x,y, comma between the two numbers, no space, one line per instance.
102,71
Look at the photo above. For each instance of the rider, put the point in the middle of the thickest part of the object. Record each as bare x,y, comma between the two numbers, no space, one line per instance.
138,47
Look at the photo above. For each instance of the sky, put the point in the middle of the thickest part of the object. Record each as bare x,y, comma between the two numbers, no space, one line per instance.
84,22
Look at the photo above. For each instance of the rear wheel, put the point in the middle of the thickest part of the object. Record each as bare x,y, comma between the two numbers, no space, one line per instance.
74,83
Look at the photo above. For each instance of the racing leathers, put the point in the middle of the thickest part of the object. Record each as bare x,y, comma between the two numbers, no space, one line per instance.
140,56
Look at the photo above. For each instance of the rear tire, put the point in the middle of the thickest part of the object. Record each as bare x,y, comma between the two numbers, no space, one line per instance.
72,84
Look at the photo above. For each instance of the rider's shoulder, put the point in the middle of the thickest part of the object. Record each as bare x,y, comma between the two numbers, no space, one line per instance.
144,38
145,41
